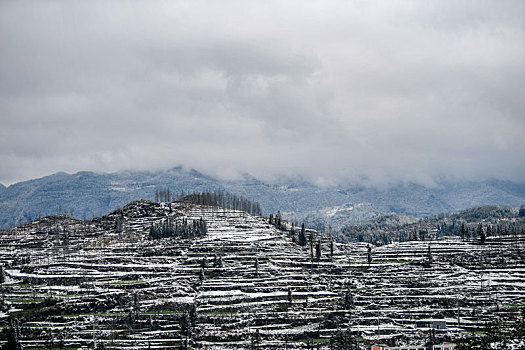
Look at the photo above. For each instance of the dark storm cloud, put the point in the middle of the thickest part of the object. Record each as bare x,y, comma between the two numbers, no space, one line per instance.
342,91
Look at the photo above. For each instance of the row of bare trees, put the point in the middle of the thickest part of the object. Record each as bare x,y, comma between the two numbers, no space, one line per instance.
225,200
212,198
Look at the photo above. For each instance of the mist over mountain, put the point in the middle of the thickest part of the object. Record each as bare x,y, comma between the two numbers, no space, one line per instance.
88,194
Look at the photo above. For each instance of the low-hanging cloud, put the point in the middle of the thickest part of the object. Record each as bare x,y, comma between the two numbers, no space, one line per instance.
335,92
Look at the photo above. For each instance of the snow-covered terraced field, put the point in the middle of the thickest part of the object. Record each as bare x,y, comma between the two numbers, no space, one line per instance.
85,284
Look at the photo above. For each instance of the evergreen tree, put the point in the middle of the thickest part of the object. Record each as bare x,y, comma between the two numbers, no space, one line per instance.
311,241
318,251
185,325
217,262
2,274
348,300
290,300
118,223
201,275
302,236
136,304
193,316
256,339
369,255
278,219
481,233
13,336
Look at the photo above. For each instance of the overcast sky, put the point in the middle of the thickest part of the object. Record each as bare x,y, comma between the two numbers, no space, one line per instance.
334,91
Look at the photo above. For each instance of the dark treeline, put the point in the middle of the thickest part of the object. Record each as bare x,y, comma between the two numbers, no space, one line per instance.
478,223
422,232
223,199
185,228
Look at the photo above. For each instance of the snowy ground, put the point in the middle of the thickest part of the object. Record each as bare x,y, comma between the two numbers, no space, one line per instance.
86,283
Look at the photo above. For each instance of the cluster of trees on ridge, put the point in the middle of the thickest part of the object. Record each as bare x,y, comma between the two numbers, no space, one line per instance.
185,228
472,224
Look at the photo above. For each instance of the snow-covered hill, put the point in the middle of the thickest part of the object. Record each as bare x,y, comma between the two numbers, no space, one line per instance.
243,284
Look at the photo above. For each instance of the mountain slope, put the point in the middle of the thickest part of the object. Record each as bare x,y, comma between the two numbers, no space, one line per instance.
105,283
87,194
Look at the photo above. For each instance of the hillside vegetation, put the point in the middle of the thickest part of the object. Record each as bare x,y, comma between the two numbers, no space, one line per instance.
243,283
467,224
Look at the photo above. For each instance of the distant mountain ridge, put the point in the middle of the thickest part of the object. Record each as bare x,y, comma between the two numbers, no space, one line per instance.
87,194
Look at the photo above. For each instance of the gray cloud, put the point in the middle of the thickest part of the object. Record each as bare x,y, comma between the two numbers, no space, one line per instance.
343,91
